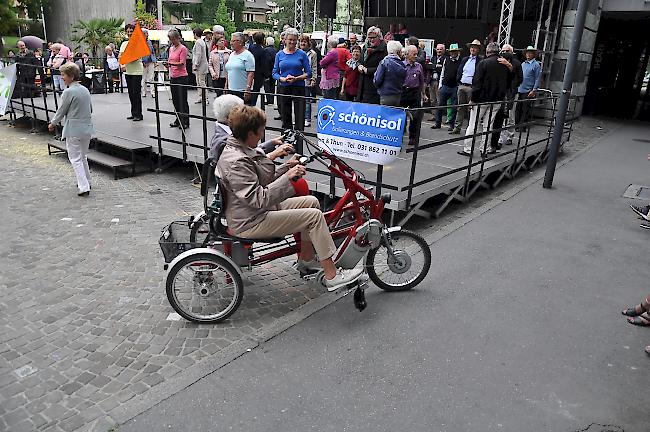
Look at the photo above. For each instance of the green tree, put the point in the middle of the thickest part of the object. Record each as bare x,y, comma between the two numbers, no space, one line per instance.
146,19
96,33
222,17
237,8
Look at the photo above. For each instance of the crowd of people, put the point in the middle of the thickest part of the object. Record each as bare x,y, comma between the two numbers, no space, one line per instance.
390,69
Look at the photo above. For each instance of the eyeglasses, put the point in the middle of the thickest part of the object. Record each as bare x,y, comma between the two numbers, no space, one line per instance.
372,37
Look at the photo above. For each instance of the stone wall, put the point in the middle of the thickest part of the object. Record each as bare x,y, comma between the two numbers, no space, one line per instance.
581,74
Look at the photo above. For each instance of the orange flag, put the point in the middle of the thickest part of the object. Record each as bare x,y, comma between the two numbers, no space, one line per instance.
136,48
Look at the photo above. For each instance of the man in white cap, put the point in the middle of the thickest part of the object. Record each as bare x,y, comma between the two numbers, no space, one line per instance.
532,71
465,76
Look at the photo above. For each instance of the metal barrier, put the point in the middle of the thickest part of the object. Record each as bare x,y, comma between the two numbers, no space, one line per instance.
29,87
524,154
527,150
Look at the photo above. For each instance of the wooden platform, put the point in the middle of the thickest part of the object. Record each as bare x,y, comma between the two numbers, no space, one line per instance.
110,112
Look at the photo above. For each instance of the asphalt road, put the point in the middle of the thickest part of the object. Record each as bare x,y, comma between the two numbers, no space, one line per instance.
517,327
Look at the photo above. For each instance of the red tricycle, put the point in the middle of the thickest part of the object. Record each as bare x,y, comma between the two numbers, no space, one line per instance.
205,262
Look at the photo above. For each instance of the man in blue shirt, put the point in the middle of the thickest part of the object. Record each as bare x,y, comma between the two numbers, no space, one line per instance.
465,77
532,72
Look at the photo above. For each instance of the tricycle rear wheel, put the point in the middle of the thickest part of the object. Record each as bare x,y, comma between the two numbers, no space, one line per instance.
204,288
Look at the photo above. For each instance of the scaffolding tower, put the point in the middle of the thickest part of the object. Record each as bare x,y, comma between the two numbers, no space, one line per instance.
505,22
300,15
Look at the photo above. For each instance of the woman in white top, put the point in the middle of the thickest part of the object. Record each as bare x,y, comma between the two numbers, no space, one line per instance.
77,109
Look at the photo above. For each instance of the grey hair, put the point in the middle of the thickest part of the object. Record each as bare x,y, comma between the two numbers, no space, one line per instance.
238,35
291,32
394,47
507,47
173,33
218,29
375,30
332,41
223,105
71,70
408,48
492,48
145,31
270,41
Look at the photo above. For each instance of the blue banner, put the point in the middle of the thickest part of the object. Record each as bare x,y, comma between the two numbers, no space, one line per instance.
369,133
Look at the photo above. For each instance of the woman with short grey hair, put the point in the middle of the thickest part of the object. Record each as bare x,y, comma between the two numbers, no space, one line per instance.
222,107
240,69
291,69
390,75
76,107
330,72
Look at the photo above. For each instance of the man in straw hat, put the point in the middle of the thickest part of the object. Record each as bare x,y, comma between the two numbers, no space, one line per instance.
465,76
448,85
532,72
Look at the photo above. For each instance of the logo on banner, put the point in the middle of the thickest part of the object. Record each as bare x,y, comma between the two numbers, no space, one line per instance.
369,133
326,116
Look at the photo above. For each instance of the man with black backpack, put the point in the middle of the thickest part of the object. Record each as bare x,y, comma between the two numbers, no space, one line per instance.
257,49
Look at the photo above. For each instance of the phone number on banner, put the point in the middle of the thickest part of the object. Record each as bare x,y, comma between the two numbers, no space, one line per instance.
360,150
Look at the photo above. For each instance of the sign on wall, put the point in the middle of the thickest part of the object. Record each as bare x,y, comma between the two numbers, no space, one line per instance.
368,133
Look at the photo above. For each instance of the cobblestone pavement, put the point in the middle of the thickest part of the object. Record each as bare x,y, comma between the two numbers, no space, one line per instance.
83,311
84,329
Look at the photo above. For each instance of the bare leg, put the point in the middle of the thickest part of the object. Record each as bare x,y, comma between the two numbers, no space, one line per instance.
329,268
306,249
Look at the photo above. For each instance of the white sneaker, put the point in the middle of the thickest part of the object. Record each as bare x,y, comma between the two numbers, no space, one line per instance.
307,123
342,278
308,267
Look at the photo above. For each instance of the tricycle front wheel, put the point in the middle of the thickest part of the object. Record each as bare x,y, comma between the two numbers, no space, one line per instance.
405,267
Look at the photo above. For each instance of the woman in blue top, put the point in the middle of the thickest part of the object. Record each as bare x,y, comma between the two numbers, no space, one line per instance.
291,69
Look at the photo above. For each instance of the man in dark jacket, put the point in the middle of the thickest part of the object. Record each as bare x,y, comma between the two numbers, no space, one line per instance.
27,63
448,85
374,54
269,60
508,111
257,49
465,76
437,62
490,84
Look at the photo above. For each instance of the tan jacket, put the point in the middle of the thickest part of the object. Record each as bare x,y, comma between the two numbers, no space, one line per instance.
250,184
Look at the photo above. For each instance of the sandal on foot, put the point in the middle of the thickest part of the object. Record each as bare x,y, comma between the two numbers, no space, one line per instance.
644,306
642,320
634,311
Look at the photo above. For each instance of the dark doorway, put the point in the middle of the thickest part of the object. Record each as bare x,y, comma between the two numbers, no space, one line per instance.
618,79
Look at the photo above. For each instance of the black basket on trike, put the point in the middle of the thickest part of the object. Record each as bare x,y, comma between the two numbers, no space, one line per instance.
175,239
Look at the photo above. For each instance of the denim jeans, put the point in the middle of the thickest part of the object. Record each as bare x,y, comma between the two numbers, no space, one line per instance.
309,92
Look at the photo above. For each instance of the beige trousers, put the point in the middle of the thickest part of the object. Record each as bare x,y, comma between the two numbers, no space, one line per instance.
147,76
201,81
297,214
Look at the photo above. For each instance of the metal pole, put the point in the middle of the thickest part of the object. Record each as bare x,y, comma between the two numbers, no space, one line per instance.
43,18
159,8
558,130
